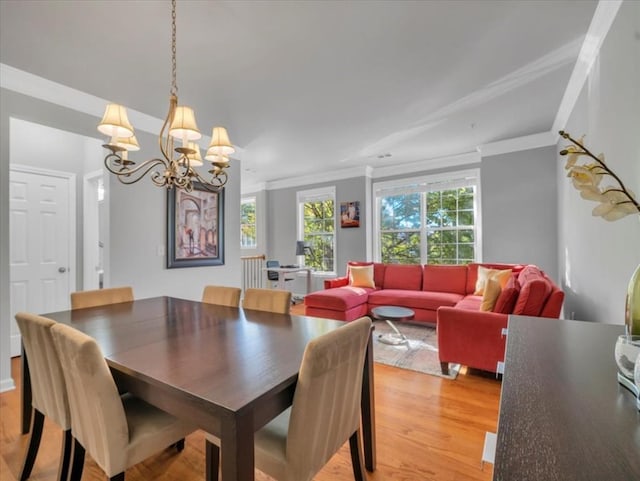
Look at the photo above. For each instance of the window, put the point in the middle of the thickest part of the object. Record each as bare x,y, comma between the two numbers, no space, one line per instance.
316,227
248,223
430,220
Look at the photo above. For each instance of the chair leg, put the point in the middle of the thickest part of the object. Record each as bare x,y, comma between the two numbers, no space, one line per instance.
180,445
212,456
77,461
65,455
355,446
117,477
35,434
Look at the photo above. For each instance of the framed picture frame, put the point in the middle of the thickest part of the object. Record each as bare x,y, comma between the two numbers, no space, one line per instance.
195,227
350,214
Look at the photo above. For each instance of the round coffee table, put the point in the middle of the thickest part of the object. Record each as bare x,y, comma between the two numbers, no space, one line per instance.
393,313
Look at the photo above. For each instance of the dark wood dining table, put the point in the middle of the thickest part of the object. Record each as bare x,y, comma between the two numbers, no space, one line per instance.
227,370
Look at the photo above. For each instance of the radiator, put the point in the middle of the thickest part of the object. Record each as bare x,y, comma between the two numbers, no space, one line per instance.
252,272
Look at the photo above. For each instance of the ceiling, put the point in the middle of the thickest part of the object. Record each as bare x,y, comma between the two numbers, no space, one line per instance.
316,86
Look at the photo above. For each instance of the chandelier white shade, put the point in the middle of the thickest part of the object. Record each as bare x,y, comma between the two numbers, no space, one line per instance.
115,122
176,165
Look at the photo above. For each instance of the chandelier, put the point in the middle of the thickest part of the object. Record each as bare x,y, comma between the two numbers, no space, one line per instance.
176,166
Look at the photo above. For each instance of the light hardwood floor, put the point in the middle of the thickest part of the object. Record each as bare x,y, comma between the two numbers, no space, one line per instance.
428,428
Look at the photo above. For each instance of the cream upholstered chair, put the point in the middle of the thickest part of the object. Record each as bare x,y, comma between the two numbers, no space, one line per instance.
49,395
117,431
271,300
101,297
221,295
325,412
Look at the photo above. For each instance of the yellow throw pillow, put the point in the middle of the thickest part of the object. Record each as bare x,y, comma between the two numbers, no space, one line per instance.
484,273
492,291
361,276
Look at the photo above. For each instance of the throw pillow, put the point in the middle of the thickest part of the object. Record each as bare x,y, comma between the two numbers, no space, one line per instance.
361,276
492,291
508,297
502,276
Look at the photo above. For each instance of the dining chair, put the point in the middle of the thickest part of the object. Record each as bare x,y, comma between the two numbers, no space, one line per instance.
49,395
101,297
325,412
270,300
222,295
117,431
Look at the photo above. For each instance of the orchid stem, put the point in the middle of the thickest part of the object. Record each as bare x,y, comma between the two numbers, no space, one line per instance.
604,166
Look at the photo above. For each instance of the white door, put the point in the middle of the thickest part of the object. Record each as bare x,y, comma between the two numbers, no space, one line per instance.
42,242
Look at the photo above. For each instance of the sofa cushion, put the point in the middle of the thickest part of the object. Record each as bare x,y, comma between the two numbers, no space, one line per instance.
378,270
472,272
508,297
444,278
492,290
361,276
413,299
470,303
339,298
534,290
484,274
400,276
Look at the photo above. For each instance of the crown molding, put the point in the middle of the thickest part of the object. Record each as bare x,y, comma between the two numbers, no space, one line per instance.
527,142
601,22
319,178
429,164
252,188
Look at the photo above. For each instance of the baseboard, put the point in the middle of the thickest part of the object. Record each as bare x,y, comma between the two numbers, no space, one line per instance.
7,385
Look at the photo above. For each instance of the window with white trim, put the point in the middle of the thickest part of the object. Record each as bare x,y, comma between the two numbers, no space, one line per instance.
429,220
317,227
248,231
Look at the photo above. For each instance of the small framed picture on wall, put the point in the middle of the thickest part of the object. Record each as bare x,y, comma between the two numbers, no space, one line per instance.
350,214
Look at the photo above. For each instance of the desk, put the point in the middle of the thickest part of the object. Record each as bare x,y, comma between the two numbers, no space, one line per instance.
563,415
283,271
227,370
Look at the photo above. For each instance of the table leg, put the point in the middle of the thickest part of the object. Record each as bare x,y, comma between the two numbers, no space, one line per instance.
25,396
368,410
237,448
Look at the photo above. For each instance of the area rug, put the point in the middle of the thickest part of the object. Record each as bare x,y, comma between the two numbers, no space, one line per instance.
419,354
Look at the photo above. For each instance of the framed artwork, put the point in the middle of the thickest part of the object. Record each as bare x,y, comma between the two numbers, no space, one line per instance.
350,214
195,227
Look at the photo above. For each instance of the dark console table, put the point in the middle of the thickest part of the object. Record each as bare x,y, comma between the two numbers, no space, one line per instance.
563,415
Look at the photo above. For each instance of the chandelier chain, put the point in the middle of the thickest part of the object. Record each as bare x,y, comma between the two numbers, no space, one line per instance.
174,84
174,171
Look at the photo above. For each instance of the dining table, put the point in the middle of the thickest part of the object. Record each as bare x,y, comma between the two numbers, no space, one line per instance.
227,370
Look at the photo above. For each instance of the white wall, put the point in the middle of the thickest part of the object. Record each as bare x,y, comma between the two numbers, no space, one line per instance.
138,236
597,257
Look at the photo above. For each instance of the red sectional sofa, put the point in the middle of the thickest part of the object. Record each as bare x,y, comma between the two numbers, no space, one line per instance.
444,295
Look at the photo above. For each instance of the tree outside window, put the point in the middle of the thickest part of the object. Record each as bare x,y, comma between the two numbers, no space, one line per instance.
317,228
427,222
248,223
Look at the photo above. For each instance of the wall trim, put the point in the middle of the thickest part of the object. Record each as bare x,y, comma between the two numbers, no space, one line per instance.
527,142
317,178
426,165
601,22
7,385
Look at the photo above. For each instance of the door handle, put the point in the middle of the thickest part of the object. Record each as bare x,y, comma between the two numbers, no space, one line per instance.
62,270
